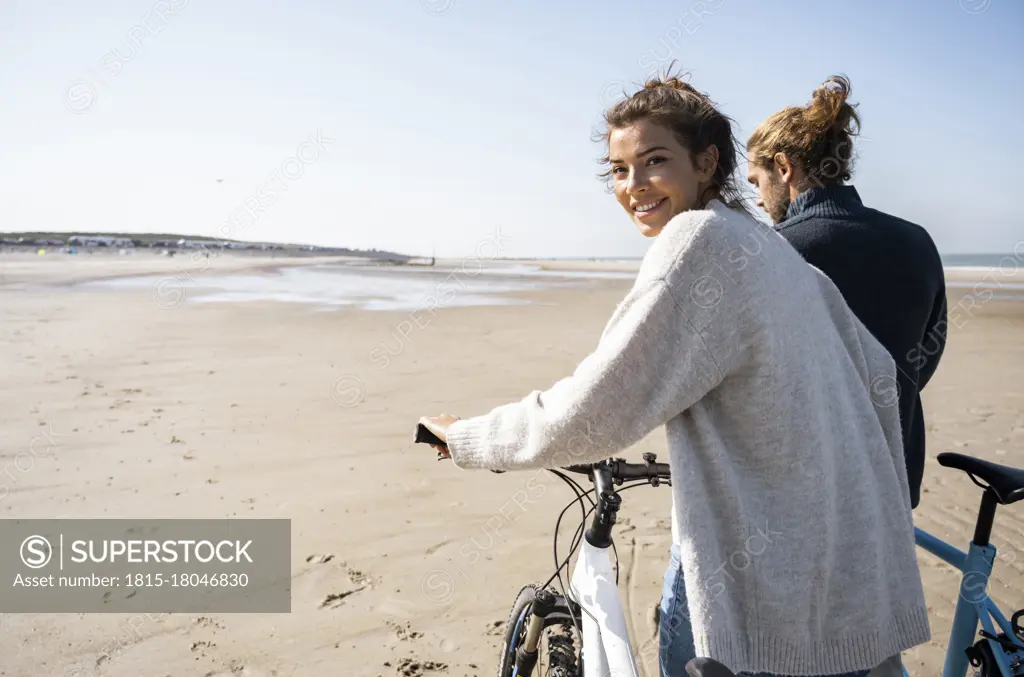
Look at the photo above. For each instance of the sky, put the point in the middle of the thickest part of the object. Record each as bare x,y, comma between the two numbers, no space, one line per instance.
464,127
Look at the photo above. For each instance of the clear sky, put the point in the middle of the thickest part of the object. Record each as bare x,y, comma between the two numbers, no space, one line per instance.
436,123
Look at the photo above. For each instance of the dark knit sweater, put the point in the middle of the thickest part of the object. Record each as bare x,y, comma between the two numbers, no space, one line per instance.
891,276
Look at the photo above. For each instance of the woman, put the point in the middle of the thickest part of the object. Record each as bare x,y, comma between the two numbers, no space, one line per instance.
779,408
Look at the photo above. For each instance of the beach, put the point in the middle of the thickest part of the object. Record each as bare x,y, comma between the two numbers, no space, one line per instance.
155,404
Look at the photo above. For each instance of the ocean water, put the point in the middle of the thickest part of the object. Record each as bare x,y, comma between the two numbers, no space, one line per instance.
335,286
987,286
331,286
1009,260
996,274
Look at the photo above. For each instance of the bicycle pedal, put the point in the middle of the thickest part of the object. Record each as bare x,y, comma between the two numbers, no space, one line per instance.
1003,640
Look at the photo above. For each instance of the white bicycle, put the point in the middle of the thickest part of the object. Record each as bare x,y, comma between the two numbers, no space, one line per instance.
545,625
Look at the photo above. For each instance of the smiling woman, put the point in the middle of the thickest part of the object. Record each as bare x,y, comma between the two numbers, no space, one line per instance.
670,150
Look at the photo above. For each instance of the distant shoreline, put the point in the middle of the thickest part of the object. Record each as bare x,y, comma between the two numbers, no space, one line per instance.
191,243
1004,270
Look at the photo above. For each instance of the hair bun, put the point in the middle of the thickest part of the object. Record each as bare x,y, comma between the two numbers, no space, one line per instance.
836,87
828,110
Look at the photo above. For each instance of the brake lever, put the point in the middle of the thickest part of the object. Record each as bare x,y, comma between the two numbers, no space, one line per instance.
652,477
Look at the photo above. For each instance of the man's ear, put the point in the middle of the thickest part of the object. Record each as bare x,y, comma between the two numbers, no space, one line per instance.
706,163
783,168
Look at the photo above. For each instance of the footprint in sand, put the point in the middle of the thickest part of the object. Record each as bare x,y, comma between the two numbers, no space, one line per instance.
434,548
404,633
359,578
355,576
207,622
236,669
201,647
411,667
336,599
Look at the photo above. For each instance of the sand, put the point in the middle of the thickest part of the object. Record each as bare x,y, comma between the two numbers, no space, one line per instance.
262,410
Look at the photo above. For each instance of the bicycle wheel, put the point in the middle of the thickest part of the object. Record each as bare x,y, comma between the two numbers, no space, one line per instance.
556,650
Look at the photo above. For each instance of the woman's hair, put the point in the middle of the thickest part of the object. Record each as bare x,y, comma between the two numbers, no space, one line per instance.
817,138
694,120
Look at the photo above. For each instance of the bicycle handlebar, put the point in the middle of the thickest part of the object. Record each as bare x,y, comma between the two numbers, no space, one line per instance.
619,469
623,471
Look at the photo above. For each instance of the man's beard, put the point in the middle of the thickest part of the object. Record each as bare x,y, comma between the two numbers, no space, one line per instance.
778,203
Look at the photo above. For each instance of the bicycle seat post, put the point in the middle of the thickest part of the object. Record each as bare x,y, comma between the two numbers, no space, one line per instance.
986,516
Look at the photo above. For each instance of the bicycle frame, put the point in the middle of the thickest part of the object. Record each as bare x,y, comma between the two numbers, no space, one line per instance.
973,604
606,647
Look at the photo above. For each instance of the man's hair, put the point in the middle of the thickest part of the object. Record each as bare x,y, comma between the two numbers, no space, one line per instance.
817,138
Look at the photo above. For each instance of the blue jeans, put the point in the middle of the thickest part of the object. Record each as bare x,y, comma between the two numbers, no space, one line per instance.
675,634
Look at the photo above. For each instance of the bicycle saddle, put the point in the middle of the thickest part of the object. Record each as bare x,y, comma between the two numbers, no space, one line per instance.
705,667
1006,483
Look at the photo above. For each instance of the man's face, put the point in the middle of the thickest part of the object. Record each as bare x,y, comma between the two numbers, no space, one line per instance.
773,195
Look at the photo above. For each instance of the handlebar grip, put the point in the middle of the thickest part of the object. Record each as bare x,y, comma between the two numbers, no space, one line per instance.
424,436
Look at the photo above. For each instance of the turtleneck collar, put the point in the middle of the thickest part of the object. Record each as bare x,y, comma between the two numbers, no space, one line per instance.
832,200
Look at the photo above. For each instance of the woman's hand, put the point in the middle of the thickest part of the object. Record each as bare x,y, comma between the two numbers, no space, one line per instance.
439,426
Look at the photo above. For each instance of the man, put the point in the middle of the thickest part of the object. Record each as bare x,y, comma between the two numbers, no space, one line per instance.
887,269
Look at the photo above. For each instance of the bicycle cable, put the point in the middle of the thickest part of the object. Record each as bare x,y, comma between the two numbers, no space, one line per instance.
578,536
580,494
577,540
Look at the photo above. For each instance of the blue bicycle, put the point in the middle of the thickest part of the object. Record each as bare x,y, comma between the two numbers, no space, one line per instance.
1000,650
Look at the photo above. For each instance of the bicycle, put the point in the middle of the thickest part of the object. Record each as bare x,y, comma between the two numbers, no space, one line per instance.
593,613
996,655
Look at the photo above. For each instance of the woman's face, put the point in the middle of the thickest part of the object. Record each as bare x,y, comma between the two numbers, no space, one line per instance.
654,176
